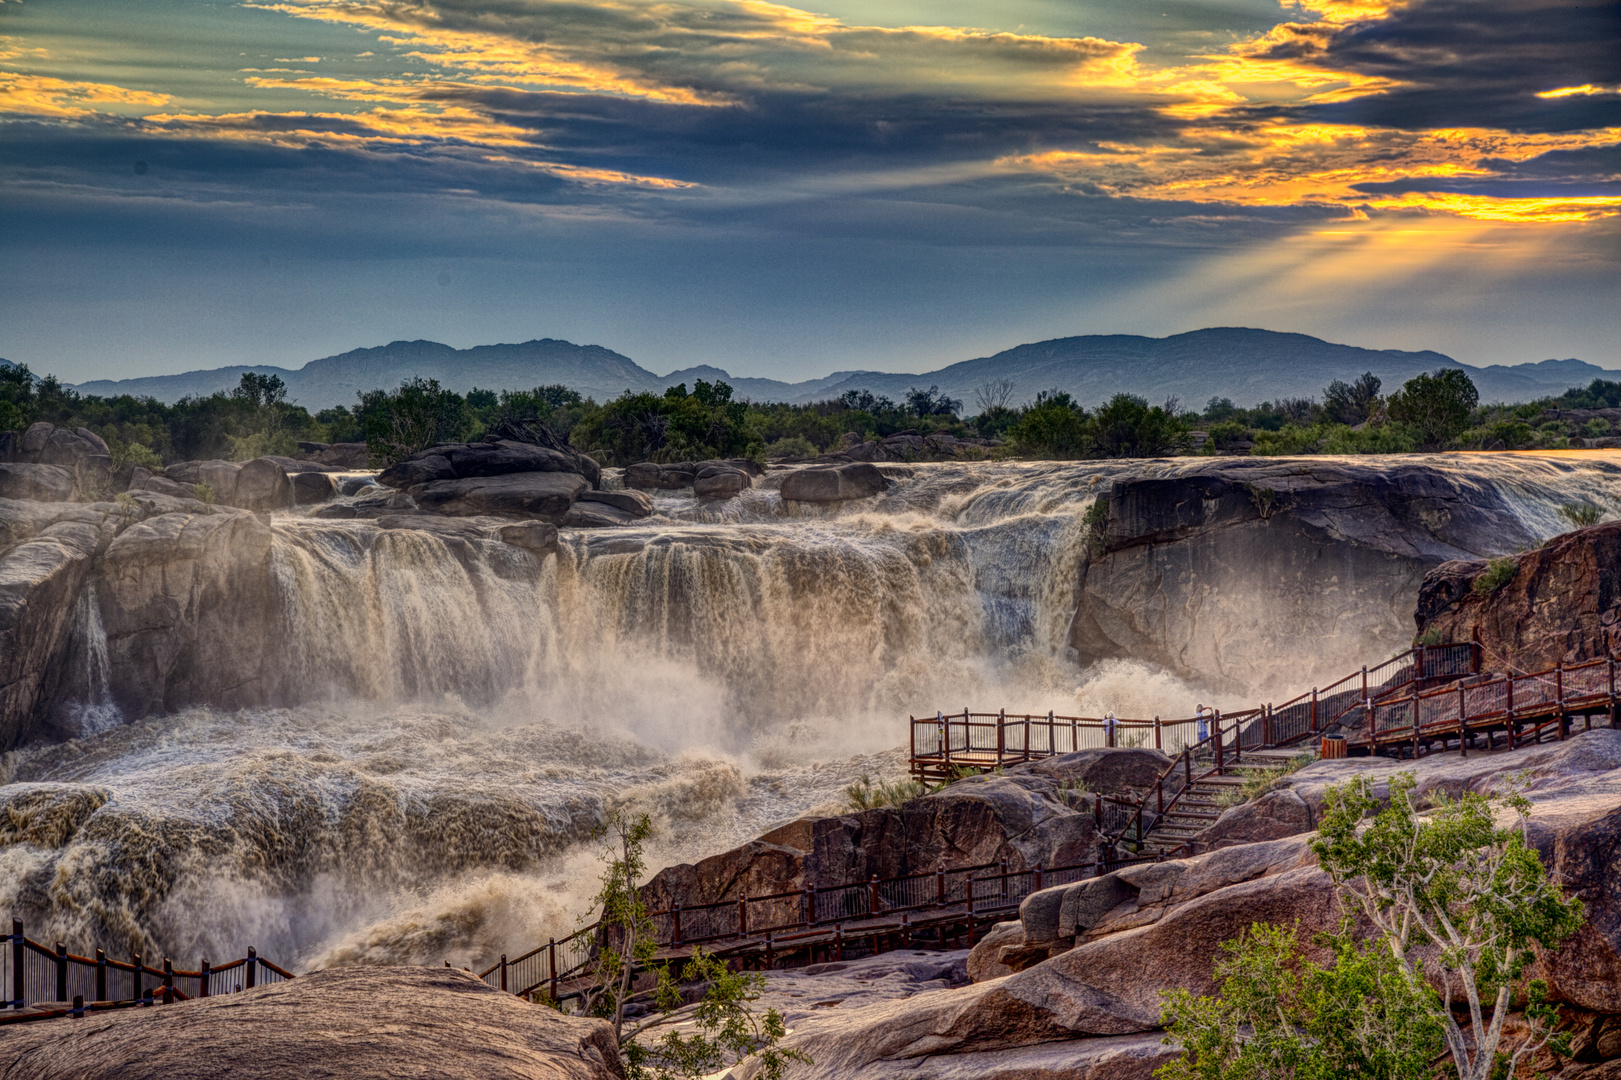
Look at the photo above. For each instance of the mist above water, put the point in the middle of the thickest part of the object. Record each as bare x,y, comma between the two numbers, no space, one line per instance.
466,713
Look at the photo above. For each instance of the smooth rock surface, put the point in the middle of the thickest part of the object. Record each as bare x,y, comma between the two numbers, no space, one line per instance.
42,483
1210,573
633,503
838,483
546,495
350,1023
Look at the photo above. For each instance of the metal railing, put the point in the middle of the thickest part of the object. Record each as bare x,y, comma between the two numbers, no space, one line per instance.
32,972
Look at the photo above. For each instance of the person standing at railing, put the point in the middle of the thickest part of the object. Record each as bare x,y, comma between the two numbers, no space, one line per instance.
1201,727
1109,724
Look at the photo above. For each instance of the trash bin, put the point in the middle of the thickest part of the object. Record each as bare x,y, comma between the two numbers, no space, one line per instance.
1333,746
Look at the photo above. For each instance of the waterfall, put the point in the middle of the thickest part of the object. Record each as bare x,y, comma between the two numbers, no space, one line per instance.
91,710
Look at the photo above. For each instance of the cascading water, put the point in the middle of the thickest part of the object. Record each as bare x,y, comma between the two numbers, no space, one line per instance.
460,713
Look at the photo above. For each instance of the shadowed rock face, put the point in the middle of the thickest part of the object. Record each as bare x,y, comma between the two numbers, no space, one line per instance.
1214,573
347,1022
1026,818
1563,603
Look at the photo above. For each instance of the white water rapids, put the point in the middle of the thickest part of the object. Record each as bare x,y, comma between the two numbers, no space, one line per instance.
468,718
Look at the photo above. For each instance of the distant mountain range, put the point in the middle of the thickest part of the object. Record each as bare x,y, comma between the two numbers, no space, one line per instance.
1246,365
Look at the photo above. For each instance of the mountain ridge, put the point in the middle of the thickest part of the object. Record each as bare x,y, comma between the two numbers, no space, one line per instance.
1246,364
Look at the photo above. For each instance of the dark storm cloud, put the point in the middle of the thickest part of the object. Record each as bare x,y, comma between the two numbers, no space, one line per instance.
1474,63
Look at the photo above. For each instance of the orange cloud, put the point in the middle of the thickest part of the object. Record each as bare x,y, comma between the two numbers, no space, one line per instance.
63,99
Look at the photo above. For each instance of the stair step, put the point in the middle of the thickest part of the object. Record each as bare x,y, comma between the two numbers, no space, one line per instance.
1201,814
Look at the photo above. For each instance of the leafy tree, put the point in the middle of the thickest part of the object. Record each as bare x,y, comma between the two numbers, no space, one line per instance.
931,402
16,397
1598,394
416,416
1280,1016
1352,403
1457,882
1218,409
1438,405
1128,427
1053,426
1452,884
698,1038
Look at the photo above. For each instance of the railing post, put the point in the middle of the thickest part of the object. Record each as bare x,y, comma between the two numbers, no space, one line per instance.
945,739
1313,727
911,731
1158,743
1414,698
19,989
1463,724
1364,682
1001,728
252,966
1218,746
1559,695
1074,734
78,1007
675,925
1035,882
503,971
1266,725
168,981
810,905
1052,739
940,883
202,983
551,947
1097,810
136,983
61,972
742,916
1159,798
101,975
1508,719
873,905
1418,670
1187,765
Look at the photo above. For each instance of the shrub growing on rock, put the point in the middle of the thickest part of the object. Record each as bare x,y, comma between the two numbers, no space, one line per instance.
1452,884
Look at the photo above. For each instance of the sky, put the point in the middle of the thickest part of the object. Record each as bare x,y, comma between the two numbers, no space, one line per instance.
786,191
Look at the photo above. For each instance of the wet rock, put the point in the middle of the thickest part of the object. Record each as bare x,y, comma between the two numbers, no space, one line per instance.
1563,603
357,1022
385,501
633,503
546,495
653,476
310,488
494,457
537,536
40,582
836,484
1184,558
44,483
714,482
186,601
354,485
597,515
262,484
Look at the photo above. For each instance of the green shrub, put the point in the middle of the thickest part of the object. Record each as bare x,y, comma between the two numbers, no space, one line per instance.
1384,439
866,795
795,446
1289,440
133,453
204,493
1096,521
1581,515
1498,572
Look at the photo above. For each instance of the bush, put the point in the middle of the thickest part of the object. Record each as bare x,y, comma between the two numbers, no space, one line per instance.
1384,439
795,446
1438,405
1096,521
133,453
1054,426
866,795
1498,572
1288,440
1581,515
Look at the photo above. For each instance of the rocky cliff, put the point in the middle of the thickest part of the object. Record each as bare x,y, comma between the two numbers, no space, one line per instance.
1252,572
1558,603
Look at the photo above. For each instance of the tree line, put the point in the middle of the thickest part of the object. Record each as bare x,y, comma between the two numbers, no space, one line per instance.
1433,411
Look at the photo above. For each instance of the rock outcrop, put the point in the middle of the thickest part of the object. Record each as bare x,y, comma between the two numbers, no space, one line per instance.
672,476
505,477
837,483
1562,603
1033,815
1213,571
53,463
186,604
260,484
355,1023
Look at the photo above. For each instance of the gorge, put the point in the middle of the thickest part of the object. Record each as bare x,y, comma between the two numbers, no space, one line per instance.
388,739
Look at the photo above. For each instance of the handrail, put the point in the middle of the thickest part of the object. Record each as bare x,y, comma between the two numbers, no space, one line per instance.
22,981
